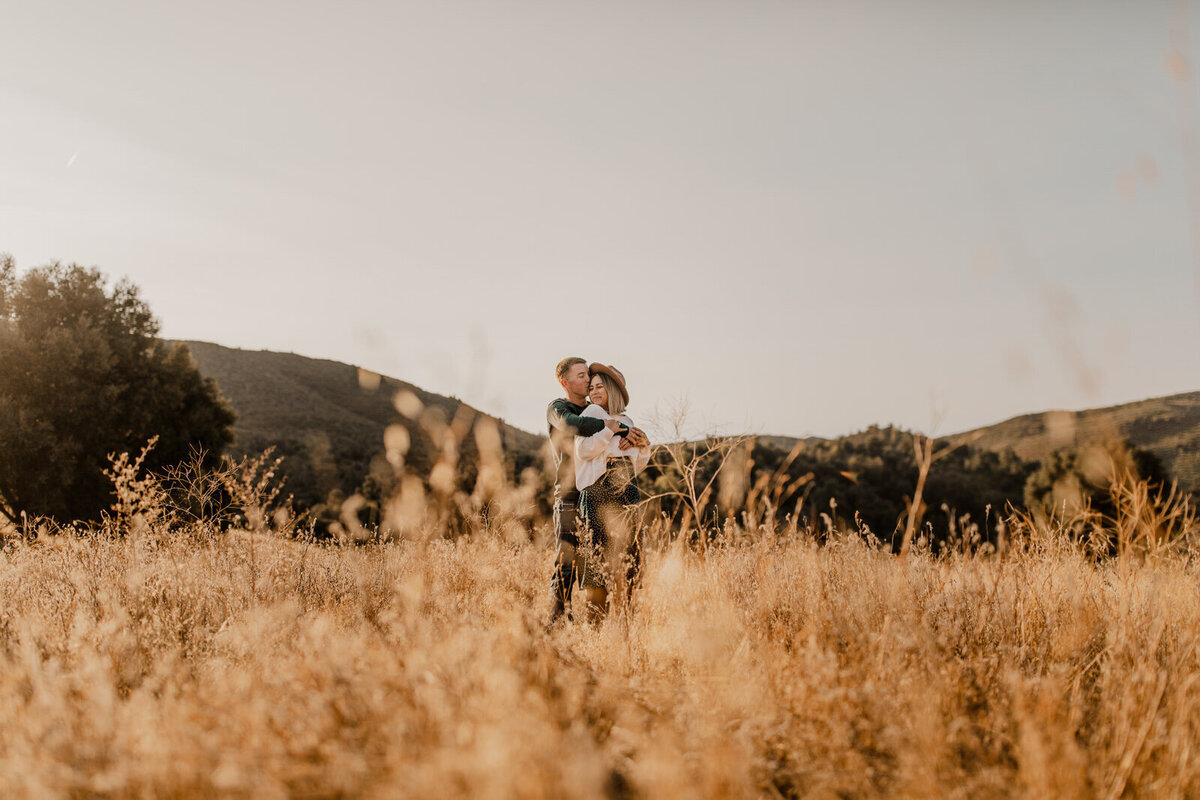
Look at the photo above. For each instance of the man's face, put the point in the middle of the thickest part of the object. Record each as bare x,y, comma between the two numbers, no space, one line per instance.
576,380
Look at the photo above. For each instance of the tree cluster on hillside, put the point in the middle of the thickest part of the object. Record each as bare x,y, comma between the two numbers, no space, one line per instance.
865,480
1086,491
84,375
1070,479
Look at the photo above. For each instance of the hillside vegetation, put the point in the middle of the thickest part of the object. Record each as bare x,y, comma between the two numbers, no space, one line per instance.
1169,427
327,419
868,479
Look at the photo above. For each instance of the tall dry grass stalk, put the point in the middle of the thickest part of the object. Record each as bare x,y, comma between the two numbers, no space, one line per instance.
244,665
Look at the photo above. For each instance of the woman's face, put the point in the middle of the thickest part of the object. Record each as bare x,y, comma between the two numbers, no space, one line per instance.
597,393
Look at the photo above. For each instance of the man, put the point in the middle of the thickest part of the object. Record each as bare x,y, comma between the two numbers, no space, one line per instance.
565,423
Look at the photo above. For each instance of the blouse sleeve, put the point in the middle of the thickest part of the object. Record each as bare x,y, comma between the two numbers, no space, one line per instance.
640,456
596,445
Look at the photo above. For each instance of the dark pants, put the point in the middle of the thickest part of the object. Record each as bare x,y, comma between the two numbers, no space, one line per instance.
566,534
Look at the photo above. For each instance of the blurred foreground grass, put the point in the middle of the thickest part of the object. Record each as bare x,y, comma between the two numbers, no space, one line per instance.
238,664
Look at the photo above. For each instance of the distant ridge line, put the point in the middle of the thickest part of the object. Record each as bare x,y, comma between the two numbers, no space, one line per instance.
1168,426
331,435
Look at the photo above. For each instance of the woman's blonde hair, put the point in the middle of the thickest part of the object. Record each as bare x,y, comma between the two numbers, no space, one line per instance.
616,398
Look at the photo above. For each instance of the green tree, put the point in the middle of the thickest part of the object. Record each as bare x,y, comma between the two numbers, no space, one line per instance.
83,374
1071,480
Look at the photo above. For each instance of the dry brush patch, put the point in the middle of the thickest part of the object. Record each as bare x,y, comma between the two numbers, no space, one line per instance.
247,665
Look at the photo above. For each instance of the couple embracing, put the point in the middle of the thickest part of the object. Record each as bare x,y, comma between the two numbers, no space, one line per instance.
598,453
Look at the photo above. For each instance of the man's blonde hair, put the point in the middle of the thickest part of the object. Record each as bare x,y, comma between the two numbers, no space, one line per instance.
566,364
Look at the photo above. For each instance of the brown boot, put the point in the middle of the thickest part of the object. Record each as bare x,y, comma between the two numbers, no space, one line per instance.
562,584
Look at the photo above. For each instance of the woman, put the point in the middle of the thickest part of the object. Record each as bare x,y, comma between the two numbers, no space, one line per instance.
606,477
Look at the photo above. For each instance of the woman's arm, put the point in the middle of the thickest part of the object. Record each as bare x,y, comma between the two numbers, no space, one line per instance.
639,455
595,446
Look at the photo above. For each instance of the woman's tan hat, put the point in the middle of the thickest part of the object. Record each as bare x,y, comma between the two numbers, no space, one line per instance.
612,372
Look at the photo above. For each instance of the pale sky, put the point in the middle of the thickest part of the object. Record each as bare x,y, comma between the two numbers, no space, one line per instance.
801,217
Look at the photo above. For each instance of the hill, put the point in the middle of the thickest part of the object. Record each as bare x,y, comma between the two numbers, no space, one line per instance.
327,418
1169,427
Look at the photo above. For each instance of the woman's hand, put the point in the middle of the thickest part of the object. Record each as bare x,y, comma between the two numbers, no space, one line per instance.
635,438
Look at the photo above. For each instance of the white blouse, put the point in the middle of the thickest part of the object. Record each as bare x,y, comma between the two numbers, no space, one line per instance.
592,452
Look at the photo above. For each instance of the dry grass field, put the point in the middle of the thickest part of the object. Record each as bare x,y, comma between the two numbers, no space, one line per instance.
243,665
